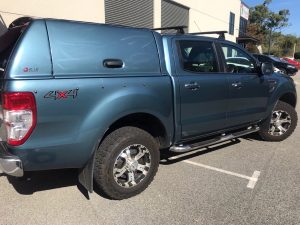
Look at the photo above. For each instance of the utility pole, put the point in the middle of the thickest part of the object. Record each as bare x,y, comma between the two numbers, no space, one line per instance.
270,41
293,56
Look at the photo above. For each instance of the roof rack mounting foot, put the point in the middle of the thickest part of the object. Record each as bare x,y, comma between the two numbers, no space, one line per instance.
179,29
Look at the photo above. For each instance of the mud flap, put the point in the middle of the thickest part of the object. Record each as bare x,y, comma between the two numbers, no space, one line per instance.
85,176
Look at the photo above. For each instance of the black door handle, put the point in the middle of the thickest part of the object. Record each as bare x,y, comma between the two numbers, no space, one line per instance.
113,63
193,86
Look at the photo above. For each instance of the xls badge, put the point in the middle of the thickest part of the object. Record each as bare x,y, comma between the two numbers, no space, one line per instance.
62,94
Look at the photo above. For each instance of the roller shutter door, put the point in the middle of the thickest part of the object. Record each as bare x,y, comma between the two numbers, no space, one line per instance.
135,13
174,14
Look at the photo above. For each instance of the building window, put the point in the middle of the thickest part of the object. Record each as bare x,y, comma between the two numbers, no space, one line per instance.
243,26
231,23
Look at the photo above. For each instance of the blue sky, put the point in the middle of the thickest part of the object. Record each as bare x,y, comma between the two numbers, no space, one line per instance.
292,5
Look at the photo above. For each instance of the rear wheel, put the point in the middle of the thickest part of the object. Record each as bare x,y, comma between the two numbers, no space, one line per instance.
126,162
282,123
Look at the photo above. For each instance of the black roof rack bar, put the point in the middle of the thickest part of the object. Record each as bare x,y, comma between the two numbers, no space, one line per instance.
179,29
220,33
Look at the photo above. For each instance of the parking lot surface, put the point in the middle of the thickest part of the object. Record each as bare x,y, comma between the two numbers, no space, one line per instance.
247,181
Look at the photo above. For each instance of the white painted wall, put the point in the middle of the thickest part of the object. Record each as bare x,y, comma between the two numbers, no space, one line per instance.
205,15
211,15
88,10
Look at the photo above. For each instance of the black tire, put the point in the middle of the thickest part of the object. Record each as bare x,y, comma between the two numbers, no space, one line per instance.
265,131
111,149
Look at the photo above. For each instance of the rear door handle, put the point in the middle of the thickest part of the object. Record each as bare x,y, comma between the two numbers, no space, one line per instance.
237,85
193,86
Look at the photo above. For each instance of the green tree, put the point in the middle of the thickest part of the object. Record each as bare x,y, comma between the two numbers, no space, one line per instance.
287,45
267,21
253,30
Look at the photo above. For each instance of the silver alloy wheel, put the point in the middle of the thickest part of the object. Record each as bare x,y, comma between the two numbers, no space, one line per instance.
132,165
280,123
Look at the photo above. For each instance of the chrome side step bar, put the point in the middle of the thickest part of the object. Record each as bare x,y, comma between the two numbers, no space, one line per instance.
224,137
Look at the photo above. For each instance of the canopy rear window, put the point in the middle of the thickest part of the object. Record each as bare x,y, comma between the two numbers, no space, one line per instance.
9,39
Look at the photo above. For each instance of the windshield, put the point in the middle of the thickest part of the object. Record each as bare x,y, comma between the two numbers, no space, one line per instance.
283,60
275,59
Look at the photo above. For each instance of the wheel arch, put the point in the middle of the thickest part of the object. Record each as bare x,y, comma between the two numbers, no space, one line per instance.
146,121
289,98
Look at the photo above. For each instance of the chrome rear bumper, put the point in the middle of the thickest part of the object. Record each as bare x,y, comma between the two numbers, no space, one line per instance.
10,164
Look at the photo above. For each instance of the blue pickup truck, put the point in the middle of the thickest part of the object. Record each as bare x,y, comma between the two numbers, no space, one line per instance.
106,99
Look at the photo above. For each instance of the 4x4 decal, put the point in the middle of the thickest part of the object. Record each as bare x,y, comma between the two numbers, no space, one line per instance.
62,94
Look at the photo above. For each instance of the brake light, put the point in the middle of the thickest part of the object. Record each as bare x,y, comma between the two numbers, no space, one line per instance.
19,116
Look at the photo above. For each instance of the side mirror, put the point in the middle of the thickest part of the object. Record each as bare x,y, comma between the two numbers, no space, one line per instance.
266,68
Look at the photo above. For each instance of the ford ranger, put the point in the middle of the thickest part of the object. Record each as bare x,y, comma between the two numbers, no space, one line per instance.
106,99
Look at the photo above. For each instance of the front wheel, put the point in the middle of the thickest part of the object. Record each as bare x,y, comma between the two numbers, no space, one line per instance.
282,123
126,162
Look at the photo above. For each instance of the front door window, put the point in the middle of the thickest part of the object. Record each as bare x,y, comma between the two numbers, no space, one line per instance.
237,61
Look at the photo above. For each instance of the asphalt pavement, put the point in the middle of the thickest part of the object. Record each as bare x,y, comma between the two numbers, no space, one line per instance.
247,181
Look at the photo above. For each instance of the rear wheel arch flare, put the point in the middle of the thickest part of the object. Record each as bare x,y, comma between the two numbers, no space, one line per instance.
145,121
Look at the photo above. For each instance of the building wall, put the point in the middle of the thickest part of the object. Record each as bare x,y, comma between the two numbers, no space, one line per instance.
89,10
205,15
211,15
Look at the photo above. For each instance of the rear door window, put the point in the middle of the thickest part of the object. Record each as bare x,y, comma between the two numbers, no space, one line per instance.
198,56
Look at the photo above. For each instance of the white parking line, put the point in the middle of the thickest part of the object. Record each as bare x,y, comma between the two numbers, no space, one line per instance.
252,180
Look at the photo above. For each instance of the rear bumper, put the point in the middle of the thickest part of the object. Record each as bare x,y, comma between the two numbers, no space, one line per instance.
10,164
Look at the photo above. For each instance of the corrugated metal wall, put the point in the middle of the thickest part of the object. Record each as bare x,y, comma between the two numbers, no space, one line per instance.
135,13
174,14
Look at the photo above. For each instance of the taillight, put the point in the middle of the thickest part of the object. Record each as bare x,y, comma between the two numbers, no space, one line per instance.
19,116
